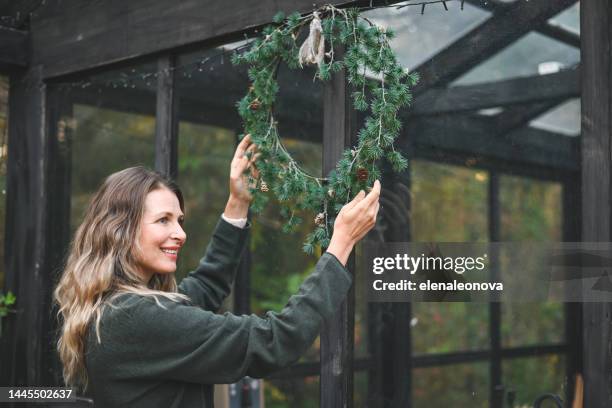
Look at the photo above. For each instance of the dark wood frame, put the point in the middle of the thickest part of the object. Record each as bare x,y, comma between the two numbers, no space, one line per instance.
81,36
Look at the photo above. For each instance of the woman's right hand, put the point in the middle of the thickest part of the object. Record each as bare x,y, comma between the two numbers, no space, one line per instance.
353,222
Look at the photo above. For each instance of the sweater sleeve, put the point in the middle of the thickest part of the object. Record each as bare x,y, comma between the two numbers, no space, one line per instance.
186,343
211,282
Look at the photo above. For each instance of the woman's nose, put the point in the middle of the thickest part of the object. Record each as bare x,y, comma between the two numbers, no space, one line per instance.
179,233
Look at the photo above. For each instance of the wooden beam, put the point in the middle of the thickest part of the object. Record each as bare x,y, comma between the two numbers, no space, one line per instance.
549,29
485,40
337,334
596,23
75,35
560,85
25,341
560,33
13,48
519,116
476,137
166,119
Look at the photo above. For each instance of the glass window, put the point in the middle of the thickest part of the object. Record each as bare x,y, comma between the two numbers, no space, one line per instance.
461,385
420,37
294,392
548,370
530,209
525,57
568,18
110,126
563,119
448,203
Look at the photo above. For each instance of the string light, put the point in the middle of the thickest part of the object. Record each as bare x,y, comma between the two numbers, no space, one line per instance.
15,21
129,80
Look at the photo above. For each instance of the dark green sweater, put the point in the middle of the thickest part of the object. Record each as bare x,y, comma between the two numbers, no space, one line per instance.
170,357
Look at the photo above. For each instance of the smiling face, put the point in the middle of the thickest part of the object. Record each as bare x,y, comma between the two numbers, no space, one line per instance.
161,233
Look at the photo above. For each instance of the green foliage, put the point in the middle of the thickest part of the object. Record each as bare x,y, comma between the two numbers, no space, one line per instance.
367,52
6,303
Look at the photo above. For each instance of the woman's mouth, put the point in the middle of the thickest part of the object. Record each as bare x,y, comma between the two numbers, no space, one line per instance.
170,253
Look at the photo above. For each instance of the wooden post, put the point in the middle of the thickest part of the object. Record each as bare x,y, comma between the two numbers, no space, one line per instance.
496,392
596,74
25,341
338,333
166,119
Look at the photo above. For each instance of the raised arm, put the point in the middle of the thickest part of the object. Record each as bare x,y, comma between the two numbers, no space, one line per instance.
211,282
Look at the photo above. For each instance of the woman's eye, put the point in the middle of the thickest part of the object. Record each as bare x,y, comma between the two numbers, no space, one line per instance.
163,220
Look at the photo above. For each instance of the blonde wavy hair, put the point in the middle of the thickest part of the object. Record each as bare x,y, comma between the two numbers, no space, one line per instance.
102,264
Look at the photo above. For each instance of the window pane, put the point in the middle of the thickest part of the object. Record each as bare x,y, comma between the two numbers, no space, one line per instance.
449,327
564,119
435,29
532,51
449,203
112,128
462,385
205,154
532,323
360,389
569,18
292,393
530,209
532,377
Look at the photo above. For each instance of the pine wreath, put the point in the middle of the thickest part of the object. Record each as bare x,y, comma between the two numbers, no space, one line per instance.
379,83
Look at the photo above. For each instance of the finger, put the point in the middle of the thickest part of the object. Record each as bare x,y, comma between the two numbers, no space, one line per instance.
251,149
242,146
253,159
372,196
358,198
254,171
373,209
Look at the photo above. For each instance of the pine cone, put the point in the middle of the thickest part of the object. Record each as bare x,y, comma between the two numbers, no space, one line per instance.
320,219
264,186
362,174
255,105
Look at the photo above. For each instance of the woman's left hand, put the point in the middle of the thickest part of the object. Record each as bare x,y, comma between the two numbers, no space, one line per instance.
240,180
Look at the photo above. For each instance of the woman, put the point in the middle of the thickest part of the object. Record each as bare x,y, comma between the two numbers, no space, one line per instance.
131,337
